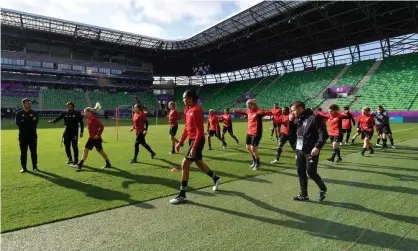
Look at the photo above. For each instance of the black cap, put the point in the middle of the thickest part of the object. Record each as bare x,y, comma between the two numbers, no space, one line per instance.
190,94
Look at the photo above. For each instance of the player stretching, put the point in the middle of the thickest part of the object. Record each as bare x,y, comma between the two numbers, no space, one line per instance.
346,124
381,117
95,128
173,117
254,130
226,118
141,128
194,130
285,135
214,129
275,113
365,126
334,129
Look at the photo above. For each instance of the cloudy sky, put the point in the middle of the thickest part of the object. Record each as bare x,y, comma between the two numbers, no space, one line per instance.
169,19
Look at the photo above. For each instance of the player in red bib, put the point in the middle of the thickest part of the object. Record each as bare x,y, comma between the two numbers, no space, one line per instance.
194,130
335,129
365,126
173,118
254,130
275,114
227,119
95,128
285,135
141,128
214,129
347,124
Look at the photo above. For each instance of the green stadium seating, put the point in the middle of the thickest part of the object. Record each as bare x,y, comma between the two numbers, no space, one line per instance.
16,101
313,103
393,85
297,86
178,96
111,101
56,99
355,73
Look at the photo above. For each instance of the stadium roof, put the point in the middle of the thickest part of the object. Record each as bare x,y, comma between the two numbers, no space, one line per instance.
271,31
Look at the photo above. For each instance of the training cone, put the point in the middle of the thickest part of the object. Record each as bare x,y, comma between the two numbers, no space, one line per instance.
174,169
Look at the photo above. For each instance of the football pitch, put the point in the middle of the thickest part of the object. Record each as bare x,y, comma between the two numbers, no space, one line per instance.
371,203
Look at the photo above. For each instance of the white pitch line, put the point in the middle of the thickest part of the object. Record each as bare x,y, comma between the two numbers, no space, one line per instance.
406,129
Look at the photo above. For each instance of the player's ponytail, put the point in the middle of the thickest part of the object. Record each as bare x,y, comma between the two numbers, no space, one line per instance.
94,109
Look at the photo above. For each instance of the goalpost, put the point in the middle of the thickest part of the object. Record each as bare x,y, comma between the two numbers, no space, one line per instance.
123,112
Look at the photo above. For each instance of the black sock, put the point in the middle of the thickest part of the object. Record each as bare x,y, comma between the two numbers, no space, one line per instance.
210,145
234,137
257,161
385,142
347,137
183,188
136,151
334,152
254,159
81,163
108,162
391,141
378,141
363,150
371,148
172,149
279,152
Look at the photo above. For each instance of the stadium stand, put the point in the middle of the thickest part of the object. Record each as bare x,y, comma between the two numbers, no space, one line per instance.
112,100
297,86
178,96
13,98
396,77
207,91
354,73
313,103
56,98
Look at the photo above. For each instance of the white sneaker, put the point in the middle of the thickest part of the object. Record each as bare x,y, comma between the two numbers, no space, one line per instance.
253,165
74,165
256,167
377,145
393,147
178,199
274,161
216,186
341,143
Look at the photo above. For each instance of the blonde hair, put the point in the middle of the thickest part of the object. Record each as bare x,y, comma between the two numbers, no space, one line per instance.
365,108
94,109
171,103
211,110
251,102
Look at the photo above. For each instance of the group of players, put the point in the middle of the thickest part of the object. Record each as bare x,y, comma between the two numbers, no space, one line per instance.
306,131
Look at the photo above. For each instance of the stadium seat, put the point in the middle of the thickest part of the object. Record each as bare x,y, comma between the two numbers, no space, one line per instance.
393,85
355,73
14,98
56,99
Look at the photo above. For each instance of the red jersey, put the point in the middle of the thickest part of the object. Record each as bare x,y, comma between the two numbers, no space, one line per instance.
95,126
255,120
227,119
276,112
194,129
213,122
173,117
366,122
334,122
140,122
284,121
347,122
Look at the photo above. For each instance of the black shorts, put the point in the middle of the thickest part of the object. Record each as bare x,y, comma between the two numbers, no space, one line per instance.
365,134
214,133
199,149
173,130
338,138
228,129
383,129
346,130
97,143
276,125
253,140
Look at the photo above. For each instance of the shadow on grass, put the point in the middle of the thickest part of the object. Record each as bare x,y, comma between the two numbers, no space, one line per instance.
315,226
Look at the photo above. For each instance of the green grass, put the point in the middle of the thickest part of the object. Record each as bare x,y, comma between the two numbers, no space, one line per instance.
365,189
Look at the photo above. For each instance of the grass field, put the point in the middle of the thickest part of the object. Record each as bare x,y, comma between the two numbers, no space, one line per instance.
377,194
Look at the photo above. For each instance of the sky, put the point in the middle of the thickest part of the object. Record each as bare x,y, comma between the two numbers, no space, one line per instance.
166,19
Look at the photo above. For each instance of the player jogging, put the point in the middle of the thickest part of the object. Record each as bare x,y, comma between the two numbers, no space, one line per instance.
227,119
141,128
173,118
194,130
254,130
347,124
214,129
95,128
275,113
381,118
285,135
365,126
72,119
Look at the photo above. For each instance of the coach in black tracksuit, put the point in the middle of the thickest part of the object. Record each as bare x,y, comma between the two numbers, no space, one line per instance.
309,136
27,122
72,119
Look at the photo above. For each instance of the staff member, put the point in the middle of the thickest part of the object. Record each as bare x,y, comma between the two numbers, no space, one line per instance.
72,119
309,141
27,122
